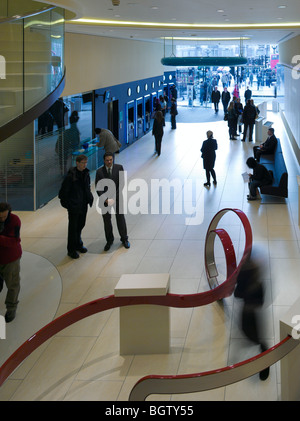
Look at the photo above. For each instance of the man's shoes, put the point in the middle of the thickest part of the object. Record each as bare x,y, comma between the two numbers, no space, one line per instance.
108,245
82,249
73,254
215,182
10,315
126,244
251,197
264,374
206,184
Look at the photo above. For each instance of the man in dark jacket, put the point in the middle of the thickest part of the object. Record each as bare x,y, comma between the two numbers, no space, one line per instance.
260,177
208,150
248,94
173,112
109,193
75,195
266,148
249,115
225,99
215,98
10,256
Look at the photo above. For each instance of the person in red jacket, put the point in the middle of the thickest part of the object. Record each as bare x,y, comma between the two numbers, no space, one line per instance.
10,256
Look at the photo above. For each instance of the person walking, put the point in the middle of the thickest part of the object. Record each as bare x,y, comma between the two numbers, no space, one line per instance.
232,120
215,98
158,130
225,99
110,201
10,257
249,115
250,288
173,112
208,151
75,195
247,94
239,111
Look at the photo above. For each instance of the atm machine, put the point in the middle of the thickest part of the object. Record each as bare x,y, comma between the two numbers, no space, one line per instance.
147,113
140,117
130,121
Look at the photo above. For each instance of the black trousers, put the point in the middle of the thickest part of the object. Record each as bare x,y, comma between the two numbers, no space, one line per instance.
108,229
158,139
246,126
216,106
76,225
212,172
173,121
258,152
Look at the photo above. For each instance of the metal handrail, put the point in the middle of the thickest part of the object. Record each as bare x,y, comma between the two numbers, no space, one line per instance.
208,380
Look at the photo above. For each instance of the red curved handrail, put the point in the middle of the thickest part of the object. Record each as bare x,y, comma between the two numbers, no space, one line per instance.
171,300
213,379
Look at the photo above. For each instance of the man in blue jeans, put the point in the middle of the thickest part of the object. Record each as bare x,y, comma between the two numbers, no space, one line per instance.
260,177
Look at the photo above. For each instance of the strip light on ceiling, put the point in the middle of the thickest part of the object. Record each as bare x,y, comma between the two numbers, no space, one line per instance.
174,25
205,38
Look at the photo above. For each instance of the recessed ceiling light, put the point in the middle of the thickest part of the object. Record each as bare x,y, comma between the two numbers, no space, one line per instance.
281,7
154,7
220,11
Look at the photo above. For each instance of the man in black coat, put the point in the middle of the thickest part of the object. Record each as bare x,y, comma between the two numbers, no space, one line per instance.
75,195
225,99
110,199
208,150
248,94
173,112
249,115
215,98
266,148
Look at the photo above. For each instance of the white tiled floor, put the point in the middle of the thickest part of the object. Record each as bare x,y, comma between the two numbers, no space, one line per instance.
83,362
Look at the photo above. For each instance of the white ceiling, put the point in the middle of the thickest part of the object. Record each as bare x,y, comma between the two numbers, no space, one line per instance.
246,12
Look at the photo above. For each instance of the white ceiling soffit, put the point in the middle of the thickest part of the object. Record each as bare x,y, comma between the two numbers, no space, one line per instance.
279,19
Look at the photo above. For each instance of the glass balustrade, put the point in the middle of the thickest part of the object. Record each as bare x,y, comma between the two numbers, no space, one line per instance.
31,57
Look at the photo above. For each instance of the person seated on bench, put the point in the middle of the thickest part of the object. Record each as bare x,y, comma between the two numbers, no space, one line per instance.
268,147
260,177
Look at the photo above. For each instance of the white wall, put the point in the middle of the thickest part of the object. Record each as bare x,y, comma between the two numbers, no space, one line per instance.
94,62
288,50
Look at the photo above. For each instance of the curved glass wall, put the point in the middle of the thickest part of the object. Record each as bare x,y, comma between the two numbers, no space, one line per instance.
31,67
31,60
